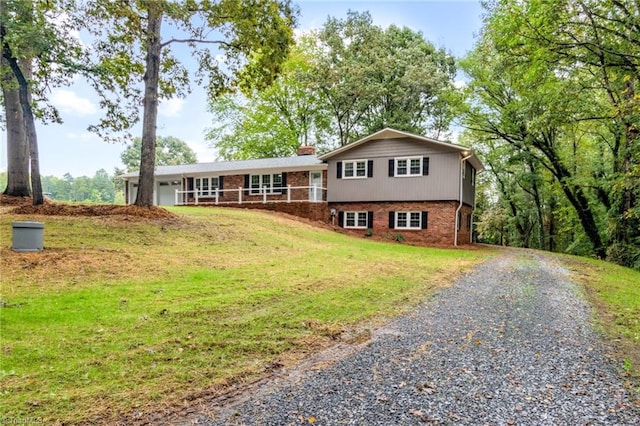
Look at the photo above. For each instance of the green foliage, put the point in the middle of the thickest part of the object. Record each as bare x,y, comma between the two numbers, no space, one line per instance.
41,33
100,189
349,79
253,40
557,119
275,121
170,151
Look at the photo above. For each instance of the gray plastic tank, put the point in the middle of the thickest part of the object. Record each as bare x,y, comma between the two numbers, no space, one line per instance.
28,236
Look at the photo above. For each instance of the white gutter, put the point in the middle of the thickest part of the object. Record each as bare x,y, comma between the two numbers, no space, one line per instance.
462,160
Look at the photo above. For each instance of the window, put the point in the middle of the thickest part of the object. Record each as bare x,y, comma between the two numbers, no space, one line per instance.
409,166
408,220
473,176
356,219
272,184
207,186
354,169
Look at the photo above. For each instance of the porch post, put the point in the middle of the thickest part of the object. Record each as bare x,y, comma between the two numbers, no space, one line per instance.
196,197
216,196
289,193
176,200
264,195
239,195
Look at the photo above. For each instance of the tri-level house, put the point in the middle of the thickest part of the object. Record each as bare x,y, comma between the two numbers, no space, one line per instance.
395,182
391,183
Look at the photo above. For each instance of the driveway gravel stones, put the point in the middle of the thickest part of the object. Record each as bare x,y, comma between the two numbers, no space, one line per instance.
509,344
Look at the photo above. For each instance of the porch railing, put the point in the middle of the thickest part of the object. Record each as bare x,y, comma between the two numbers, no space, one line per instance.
287,194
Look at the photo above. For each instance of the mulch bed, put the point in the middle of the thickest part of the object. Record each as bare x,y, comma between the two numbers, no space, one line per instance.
49,208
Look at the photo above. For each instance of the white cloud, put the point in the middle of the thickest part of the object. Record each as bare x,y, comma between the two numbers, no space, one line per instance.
69,102
204,152
171,107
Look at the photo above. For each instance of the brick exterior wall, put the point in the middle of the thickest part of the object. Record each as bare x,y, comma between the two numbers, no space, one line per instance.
312,211
441,219
441,223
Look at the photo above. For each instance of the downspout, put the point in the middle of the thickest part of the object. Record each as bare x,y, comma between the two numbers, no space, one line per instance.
473,212
462,160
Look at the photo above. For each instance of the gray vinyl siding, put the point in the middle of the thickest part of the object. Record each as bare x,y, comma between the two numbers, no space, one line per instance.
468,190
442,183
390,148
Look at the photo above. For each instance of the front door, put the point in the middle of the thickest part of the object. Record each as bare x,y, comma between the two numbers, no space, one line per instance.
315,184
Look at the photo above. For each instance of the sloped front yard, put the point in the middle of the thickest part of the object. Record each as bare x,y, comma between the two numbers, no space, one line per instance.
122,314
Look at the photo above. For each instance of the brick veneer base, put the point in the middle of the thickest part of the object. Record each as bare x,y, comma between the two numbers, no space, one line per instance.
441,225
312,211
440,230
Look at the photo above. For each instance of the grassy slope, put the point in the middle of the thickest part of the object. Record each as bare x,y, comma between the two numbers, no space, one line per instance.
117,314
614,292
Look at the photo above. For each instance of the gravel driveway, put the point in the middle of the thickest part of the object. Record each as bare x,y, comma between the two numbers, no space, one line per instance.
509,344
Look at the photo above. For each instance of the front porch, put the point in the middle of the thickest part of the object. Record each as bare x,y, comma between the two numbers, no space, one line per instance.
242,195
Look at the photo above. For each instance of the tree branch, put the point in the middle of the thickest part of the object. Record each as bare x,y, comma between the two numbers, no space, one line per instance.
197,40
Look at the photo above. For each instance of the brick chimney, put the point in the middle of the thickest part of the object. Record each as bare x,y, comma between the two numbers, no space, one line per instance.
306,150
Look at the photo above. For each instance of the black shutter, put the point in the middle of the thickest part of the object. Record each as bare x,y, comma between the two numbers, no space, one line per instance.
341,219
370,220
392,220
339,169
220,185
246,184
284,182
370,168
392,167
425,166
425,220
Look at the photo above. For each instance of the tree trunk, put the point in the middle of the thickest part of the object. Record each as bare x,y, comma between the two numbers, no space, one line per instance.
146,184
17,147
29,121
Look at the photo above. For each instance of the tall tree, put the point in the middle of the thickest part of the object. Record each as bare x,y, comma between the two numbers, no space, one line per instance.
253,38
273,122
373,78
35,36
17,148
170,151
558,79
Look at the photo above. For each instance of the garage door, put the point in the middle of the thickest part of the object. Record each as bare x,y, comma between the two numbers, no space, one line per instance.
167,192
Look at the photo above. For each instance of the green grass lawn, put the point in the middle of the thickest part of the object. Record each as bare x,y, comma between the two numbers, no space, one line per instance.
614,292
120,314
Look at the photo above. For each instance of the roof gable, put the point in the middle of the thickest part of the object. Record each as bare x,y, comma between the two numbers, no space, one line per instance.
389,133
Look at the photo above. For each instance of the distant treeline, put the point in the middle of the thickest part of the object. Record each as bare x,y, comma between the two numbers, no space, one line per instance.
102,188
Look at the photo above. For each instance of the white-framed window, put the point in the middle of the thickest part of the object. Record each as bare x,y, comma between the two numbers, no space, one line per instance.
354,169
357,220
206,186
410,166
408,220
271,183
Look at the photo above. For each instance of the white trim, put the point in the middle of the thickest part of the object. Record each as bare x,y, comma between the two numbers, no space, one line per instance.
211,188
357,215
408,160
315,192
265,188
355,169
408,227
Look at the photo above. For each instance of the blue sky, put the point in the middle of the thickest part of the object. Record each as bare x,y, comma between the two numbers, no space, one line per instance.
70,148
